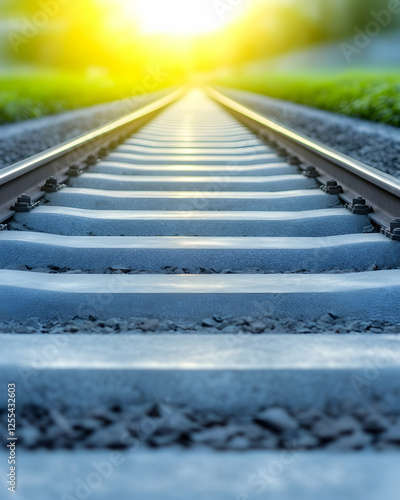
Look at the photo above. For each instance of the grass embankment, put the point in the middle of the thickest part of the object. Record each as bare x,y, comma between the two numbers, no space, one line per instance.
34,95
373,97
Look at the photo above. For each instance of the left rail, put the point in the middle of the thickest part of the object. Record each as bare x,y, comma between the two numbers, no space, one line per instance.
27,176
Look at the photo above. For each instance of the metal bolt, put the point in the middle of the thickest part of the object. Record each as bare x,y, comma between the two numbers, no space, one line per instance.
359,206
74,171
281,151
311,172
103,152
393,231
23,204
359,201
294,160
91,160
51,185
332,187
395,224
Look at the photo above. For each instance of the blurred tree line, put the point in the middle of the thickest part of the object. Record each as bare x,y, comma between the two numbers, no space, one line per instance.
72,34
273,27
75,34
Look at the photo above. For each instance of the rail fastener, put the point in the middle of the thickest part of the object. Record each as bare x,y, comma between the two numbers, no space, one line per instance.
311,172
293,160
51,185
23,204
332,187
359,206
91,160
103,152
74,171
393,231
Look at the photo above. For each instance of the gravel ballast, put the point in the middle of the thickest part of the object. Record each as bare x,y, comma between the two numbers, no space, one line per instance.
18,141
192,270
375,144
249,325
162,425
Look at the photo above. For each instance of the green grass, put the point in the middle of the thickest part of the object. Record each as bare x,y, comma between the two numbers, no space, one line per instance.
371,96
28,96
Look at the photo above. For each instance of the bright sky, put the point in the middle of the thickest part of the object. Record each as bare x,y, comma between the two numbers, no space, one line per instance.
183,17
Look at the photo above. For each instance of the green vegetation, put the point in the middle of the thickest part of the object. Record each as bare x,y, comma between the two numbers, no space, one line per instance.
370,96
34,95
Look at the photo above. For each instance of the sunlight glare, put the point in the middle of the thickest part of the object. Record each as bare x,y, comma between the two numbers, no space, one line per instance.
177,17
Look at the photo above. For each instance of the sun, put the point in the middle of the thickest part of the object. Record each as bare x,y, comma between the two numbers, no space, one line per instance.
177,17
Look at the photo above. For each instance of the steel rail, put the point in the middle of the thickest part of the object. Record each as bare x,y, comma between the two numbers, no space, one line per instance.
380,190
27,176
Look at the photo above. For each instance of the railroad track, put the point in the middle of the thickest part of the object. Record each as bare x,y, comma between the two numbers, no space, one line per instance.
196,215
